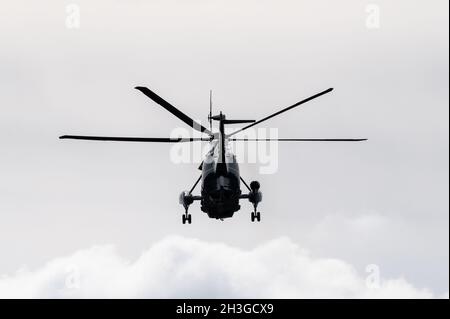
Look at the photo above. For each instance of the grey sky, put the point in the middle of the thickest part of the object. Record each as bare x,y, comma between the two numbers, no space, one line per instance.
384,201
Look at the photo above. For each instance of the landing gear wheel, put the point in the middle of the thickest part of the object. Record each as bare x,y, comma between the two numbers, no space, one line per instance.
258,216
187,218
253,216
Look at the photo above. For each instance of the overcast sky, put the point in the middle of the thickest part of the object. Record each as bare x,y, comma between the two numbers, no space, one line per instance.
382,202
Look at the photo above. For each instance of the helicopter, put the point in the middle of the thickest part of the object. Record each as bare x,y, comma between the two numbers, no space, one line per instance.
220,178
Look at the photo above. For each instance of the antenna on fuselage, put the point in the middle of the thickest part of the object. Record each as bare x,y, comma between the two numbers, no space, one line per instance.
210,110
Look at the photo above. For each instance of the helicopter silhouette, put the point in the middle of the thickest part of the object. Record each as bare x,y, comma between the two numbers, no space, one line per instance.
220,178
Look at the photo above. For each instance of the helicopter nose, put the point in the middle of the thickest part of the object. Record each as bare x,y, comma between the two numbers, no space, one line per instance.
223,182
221,195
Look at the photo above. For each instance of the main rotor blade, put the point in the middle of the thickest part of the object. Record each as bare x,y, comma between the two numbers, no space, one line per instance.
300,139
172,109
134,139
283,110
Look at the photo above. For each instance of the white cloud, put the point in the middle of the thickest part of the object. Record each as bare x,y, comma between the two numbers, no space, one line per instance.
178,267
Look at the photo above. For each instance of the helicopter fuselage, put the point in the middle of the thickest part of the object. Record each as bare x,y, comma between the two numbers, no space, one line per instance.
220,190
220,180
